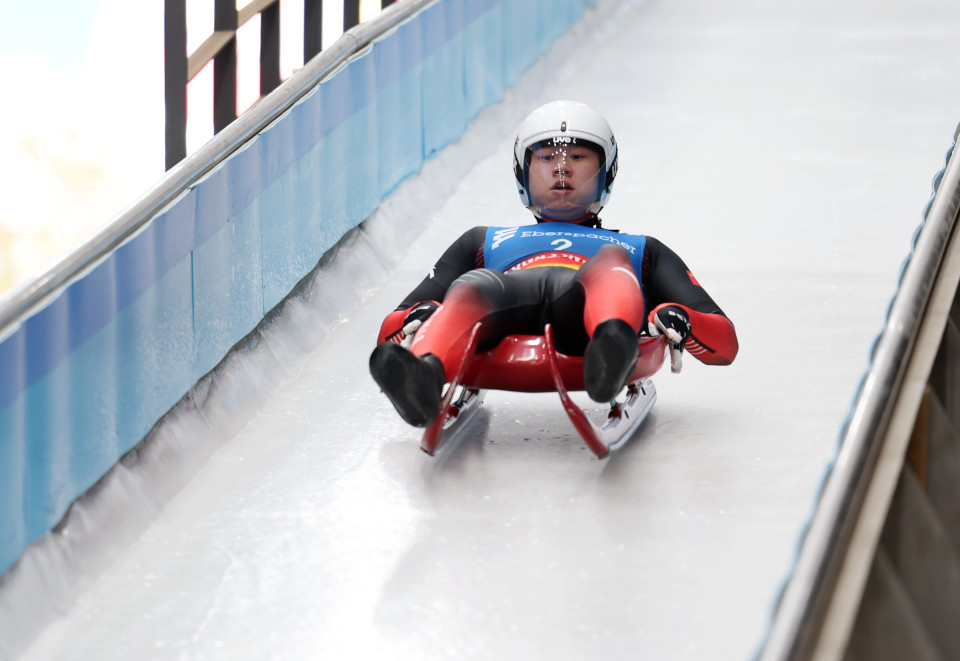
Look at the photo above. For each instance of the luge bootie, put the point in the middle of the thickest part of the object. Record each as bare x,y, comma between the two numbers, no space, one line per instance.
413,384
609,359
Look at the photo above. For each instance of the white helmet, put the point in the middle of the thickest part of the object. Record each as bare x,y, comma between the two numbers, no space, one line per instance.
563,124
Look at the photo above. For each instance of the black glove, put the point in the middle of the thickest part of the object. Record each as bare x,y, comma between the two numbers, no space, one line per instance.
412,321
420,312
673,322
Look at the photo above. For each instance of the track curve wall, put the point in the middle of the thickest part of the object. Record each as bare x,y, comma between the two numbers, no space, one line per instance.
95,352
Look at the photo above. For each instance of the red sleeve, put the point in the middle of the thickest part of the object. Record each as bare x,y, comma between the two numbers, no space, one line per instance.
464,254
712,340
391,330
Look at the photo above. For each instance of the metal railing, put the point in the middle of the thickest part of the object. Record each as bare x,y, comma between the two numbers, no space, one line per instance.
802,603
221,47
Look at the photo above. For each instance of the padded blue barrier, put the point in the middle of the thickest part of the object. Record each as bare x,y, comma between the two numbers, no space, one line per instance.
85,377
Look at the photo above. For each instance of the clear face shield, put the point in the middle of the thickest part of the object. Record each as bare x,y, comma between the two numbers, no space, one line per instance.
564,179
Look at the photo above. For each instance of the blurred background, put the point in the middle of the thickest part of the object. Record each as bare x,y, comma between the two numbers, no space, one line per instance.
76,148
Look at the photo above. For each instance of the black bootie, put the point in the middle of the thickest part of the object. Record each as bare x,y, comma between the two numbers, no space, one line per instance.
413,384
609,359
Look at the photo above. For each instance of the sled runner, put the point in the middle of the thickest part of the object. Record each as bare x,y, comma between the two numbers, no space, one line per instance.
530,363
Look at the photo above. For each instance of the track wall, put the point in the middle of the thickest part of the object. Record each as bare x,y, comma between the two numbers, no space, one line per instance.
878,574
90,366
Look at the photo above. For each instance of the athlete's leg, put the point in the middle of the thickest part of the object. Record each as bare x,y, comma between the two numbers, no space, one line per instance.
504,304
611,290
612,316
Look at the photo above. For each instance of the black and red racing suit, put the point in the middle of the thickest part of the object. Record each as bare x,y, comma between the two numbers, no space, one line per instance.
516,280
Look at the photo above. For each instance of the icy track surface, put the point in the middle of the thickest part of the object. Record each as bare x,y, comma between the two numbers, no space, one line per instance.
786,154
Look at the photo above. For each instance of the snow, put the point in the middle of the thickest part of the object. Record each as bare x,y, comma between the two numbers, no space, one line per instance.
785,153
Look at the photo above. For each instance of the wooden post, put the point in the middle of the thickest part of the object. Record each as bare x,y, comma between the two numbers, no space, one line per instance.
175,80
351,14
270,49
312,28
225,66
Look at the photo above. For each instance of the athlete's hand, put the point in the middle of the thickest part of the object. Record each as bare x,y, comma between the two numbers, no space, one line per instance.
672,322
412,321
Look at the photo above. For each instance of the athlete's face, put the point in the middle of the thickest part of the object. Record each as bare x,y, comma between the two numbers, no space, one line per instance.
563,180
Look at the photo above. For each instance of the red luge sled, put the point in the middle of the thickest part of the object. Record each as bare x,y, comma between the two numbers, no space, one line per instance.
530,363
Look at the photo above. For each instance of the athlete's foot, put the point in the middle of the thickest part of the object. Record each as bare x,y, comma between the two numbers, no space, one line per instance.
609,359
413,384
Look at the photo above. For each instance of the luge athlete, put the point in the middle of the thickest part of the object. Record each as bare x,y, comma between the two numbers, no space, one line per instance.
598,288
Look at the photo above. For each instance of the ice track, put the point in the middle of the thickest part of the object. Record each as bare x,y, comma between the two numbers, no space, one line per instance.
786,154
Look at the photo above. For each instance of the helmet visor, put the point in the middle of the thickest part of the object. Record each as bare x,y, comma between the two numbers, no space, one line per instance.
564,178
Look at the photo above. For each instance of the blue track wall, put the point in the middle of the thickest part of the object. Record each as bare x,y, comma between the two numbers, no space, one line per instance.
84,378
